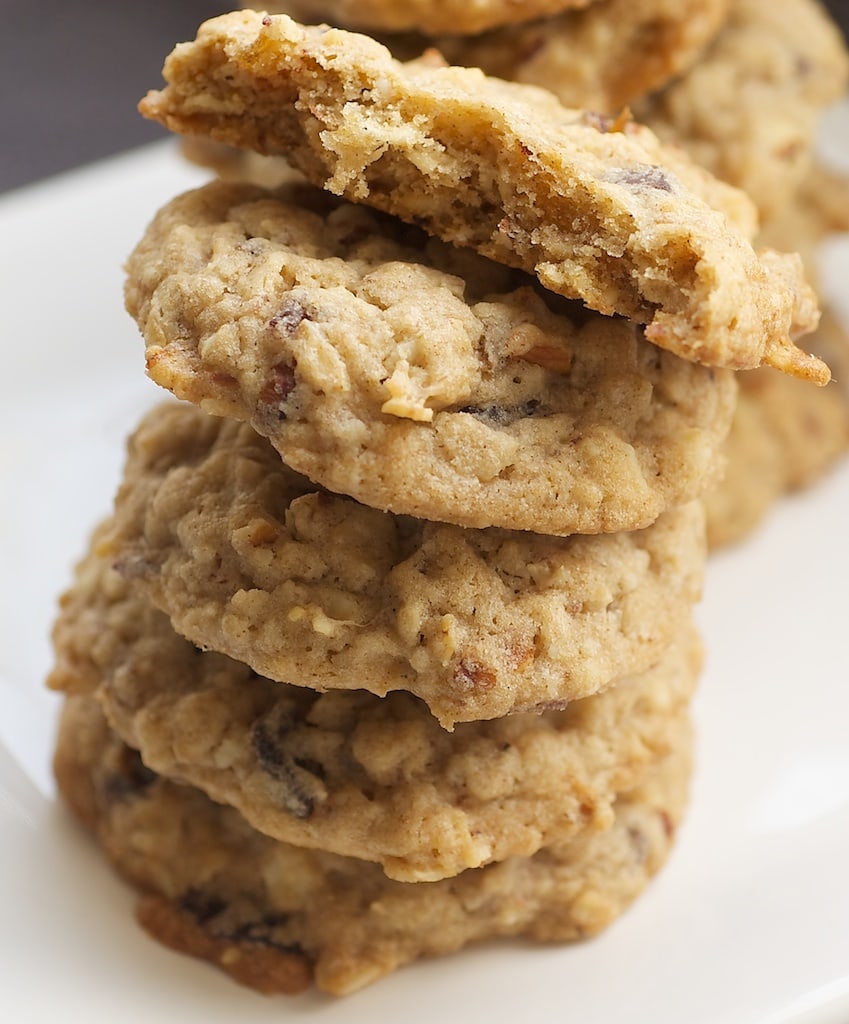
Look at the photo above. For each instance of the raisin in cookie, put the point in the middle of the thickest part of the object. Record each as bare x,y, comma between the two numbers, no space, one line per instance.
310,588
605,216
749,109
352,773
414,377
276,917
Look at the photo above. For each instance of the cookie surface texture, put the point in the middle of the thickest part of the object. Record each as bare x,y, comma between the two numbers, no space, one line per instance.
609,217
251,560
414,377
275,916
352,773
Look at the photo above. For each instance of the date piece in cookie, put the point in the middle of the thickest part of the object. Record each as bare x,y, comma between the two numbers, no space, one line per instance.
276,917
252,560
608,217
349,772
416,377
749,109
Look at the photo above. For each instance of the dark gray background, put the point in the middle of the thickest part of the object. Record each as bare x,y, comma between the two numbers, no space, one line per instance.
72,72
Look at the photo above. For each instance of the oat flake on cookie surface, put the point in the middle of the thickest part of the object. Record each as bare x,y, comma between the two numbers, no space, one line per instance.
598,210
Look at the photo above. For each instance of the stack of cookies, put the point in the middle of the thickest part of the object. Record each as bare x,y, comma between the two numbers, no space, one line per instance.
387,646
741,86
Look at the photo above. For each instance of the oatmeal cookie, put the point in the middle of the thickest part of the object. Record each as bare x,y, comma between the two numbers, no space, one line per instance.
252,560
598,210
418,378
349,772
601,58
820,208
749,108
276,916
459,16
784,437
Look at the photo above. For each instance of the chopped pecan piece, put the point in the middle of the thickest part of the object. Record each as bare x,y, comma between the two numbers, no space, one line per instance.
644,175
289,318
471,675
277,388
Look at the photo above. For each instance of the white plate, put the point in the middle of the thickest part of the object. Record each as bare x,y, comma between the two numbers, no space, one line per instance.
749,922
